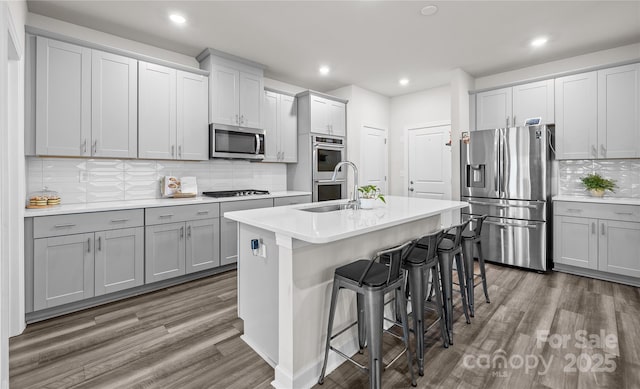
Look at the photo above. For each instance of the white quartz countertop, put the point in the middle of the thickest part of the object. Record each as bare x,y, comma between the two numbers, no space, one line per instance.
597,200
148,203
327,227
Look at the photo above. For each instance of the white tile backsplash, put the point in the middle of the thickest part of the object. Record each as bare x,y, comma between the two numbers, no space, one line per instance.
90,180
626,173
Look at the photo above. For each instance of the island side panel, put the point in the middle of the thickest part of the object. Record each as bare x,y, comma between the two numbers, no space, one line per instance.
258,291
312,272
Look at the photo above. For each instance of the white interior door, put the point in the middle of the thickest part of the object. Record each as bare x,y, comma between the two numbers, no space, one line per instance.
429,162
373,158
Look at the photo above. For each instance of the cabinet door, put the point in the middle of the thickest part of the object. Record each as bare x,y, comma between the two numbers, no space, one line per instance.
494,109
288,129
271,122
192,116
619,247
337,118
319,115
156,111
119,260
619,112
251,90
114,105
203,245
63,98
533,100
164,251
576,103
225,95
62,270
576,241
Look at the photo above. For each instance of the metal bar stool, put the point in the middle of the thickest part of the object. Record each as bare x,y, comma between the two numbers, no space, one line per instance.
371,280
471,238
450,249
422,261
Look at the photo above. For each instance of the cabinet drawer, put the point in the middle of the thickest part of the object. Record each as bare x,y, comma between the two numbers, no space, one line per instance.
181,213
242,205
280,201
58,225
599,211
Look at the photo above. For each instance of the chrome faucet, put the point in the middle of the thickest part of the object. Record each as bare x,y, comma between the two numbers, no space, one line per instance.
355,197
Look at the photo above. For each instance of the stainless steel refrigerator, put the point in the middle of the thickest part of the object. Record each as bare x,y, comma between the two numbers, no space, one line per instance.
505,174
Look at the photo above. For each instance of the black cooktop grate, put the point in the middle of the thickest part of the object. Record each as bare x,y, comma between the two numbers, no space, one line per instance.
236,193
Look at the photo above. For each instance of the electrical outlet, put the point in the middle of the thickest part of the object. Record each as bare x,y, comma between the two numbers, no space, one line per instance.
83,176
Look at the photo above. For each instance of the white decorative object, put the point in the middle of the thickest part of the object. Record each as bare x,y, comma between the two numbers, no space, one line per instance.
369,203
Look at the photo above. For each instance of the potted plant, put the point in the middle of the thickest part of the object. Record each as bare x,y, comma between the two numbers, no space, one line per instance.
596,184
368,196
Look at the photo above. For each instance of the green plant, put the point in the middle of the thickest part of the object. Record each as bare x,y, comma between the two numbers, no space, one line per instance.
597,182
371,192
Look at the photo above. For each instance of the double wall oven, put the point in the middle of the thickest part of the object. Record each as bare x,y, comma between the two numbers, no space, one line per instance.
327,152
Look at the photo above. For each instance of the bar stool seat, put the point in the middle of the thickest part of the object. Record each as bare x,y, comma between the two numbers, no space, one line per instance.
371,280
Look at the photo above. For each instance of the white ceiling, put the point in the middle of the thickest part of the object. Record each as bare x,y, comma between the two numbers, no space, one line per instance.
371,44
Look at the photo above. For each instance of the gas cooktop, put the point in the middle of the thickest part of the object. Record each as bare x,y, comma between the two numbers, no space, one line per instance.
236,193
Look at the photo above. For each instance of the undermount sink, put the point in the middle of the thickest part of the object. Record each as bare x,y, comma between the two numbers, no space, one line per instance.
326,208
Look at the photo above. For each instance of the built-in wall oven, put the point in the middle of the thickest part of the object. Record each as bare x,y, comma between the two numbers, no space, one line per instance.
327,152
235,142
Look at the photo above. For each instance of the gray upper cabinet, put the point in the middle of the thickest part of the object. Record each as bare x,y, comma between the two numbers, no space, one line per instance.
172,115
576,100
281,127
619,112
511,106
114,105
164,251
203,245
192,113
321,114
235,89
63,98
156,111
86,101
119,259
62,270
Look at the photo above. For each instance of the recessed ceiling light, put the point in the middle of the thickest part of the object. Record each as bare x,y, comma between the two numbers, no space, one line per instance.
539,41
179,19
324,70
404,81
429,10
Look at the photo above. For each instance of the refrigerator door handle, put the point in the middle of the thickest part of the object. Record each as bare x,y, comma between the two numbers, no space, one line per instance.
501,156
496,178
529,226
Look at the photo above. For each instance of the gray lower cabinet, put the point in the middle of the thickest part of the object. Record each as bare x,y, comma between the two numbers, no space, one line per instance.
164,251
291,200
203,245
229,228
63,270
119,260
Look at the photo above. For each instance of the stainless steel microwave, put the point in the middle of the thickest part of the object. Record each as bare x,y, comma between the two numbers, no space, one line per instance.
234,142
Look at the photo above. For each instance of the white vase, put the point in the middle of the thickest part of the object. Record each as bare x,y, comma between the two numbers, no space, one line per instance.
368,203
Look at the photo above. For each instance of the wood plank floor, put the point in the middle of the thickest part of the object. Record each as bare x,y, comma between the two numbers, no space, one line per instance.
188,336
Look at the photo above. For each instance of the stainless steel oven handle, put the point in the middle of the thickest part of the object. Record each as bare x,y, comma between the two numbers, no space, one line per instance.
329,181
530,226
328,146
257,144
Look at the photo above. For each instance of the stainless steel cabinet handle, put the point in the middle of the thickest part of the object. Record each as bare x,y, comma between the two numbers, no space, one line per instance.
514,121
603,150
625,213
99,243
573,210
95,146
181,232
237,119
601,228
593,227
180,151
173,150
189,232
594,151
64,225
242,119
203,212
119,220
166,215
88,245
507,122
84,145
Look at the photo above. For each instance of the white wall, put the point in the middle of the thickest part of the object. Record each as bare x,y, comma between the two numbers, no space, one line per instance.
432,105
549,69
12,21
365,108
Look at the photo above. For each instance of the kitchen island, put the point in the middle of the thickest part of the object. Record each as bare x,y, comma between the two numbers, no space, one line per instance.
284,285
